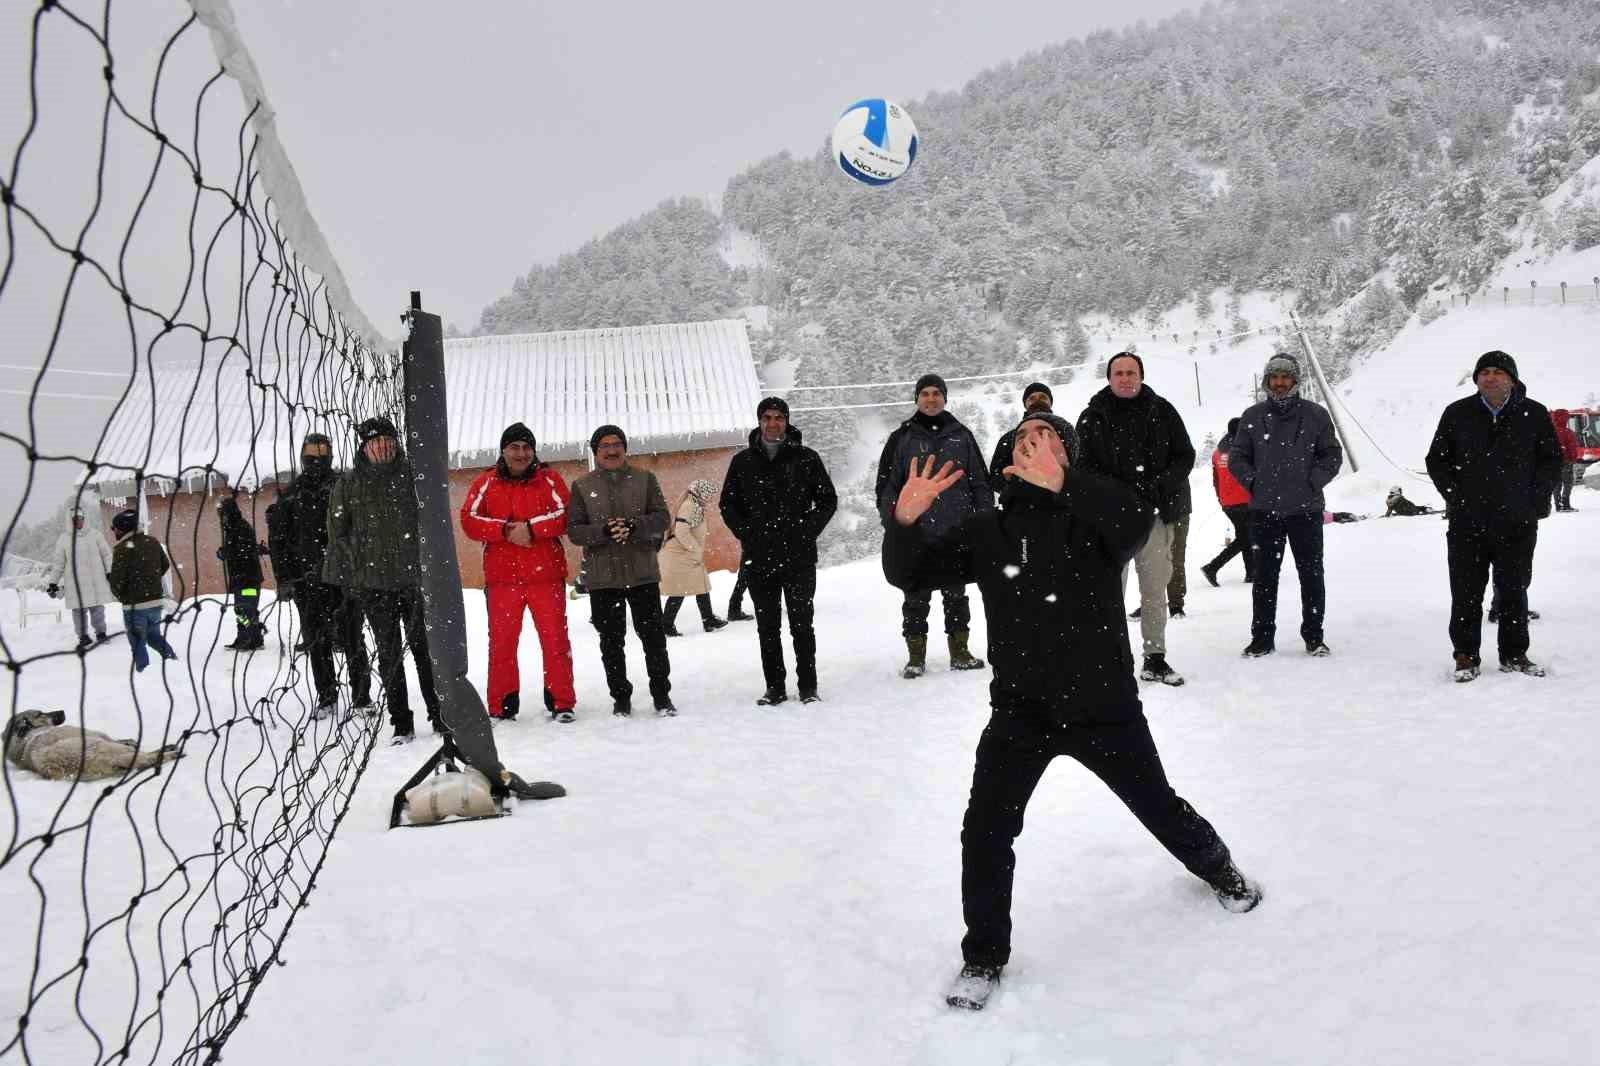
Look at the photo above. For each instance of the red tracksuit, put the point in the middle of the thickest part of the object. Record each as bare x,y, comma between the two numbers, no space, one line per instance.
515,577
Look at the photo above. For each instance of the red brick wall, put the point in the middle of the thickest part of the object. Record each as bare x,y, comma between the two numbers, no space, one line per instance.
195,534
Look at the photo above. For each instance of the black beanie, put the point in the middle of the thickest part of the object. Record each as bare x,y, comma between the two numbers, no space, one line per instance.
314,439
1125,355
772,403
607,431
373,428
1063,428
931,379
1233,426
125,522
1037,386
1498,360
517,431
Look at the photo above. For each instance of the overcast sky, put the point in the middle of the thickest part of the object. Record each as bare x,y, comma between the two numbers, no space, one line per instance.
448,150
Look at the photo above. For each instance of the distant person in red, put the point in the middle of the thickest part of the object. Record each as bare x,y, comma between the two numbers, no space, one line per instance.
1235,501
1570,454
518,509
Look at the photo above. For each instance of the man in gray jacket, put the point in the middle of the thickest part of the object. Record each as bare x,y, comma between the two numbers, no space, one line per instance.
618,516
1284,453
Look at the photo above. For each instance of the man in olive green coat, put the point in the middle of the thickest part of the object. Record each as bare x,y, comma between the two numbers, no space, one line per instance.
618,516
372,553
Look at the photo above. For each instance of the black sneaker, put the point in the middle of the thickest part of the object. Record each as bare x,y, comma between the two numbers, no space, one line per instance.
809,695
1235,891
1176,612
566,717
1210,575
622,708
1257,648
713,624
736,614
666,709
85,643
671,630
401,739
1521,664
772,697
1137,612
1466,667
1156,669
1317,649
973,986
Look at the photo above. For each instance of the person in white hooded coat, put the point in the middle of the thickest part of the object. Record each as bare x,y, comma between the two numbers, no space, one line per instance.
80,575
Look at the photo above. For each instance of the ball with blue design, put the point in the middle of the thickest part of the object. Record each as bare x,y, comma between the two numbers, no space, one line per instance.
875,141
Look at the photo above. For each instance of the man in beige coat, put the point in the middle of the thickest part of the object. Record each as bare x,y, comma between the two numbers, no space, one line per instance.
683,559
619,518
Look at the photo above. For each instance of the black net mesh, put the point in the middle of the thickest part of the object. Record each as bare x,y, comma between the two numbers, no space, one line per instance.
145,899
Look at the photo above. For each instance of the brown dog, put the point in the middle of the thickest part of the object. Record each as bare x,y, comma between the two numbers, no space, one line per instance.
41,742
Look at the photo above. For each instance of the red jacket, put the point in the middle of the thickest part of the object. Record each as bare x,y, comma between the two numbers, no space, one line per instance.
1229,492
1570,451
495,502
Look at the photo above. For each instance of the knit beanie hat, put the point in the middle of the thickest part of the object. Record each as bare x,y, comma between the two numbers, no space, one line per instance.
1233,426
1498,360
124,522
1063,428
933,380
772,403
1125,355
1282,363
376,427
607,431
1037,386
517,431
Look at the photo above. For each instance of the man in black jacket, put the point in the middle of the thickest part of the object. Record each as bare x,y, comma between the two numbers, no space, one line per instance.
932,430
1049,567
1495,460
777,499
1036,396
297,538
240,553
1130,434
1283,454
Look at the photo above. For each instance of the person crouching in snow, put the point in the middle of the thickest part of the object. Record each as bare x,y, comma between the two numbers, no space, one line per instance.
518,510
682,560
1049,566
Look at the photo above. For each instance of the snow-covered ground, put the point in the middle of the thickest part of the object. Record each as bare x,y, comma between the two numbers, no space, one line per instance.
751,885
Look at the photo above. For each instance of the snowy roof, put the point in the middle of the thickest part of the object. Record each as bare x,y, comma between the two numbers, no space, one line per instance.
682,387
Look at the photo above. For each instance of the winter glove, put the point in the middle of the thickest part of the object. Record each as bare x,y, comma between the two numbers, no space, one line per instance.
53,590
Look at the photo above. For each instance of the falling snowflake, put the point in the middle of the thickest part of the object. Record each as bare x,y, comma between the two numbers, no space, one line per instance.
1011,571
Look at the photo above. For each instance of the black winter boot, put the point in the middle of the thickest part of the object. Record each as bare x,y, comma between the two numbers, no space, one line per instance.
960,657
917,663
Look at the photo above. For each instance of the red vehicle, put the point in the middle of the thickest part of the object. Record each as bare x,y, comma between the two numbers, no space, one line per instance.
1585,425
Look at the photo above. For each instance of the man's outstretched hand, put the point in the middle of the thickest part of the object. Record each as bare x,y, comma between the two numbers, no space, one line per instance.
922,487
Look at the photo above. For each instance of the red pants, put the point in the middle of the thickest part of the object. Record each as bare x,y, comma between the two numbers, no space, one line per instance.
547,601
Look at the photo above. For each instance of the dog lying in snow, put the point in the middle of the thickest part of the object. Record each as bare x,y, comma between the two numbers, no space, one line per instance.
41,742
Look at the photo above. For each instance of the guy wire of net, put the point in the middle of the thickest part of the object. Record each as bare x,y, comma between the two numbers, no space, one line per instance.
148,895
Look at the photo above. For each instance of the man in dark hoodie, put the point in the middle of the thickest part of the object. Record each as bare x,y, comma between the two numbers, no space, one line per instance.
932,430
372,554
1283,454
1129,433
240,553
297,537
1049,565
777,499
1036,396
1495,460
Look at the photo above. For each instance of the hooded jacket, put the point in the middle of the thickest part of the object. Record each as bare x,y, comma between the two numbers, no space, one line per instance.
496,501
138,564
1571,451
1229,492
1284,455
297,528
1049,566
777,506
1141,442
372,526
946,439
630,493
1495,472
240,551
79,564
